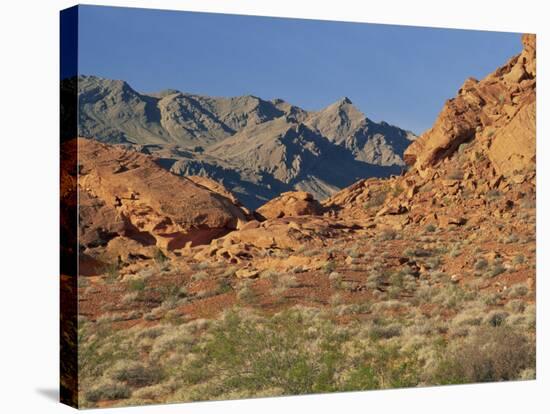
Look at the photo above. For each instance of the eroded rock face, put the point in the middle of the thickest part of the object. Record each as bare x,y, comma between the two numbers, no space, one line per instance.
497,112
291,204
124,193
513,146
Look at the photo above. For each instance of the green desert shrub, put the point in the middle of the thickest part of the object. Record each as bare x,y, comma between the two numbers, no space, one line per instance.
496,270
112,271
279,352
134,374
384,366
384,331
496,318
246,293
430,228
481,264
137,285
329,267
224,286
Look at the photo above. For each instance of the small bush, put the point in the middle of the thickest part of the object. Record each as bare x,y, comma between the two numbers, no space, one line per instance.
152,392
135,374
199,276
433,263
489,354
203,265
224,286
496,270
493,194
409,252
335,279
130,298
288,281
329,267
462,147
246,294
496,318
430,228
481,264
518,291
519,259
160,258
516,306
388,234
397,190
336,299
108,390
384,331
376,200
111,271
137,285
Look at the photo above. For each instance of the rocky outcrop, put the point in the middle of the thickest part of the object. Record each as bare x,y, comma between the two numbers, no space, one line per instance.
126,194
290,204
252,240
497,113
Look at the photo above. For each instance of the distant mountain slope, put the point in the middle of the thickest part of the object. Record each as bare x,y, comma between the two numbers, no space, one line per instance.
111,111
256,148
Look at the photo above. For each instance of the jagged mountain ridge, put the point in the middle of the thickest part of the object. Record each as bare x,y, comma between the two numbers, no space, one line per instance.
256,148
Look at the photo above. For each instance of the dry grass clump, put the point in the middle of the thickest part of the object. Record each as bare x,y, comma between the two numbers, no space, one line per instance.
107,390
199,276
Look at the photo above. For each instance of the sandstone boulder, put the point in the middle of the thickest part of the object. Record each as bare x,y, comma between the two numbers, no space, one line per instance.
290,204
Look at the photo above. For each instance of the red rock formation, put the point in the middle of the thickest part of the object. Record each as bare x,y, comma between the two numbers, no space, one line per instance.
290,204
124,193
497,112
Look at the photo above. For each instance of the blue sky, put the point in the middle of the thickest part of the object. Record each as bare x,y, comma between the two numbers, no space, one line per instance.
399,74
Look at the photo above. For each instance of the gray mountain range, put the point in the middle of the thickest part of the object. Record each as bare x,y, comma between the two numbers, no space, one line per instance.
256,148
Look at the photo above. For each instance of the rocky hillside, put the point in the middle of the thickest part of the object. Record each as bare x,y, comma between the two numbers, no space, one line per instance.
481,146
496,114
256,148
